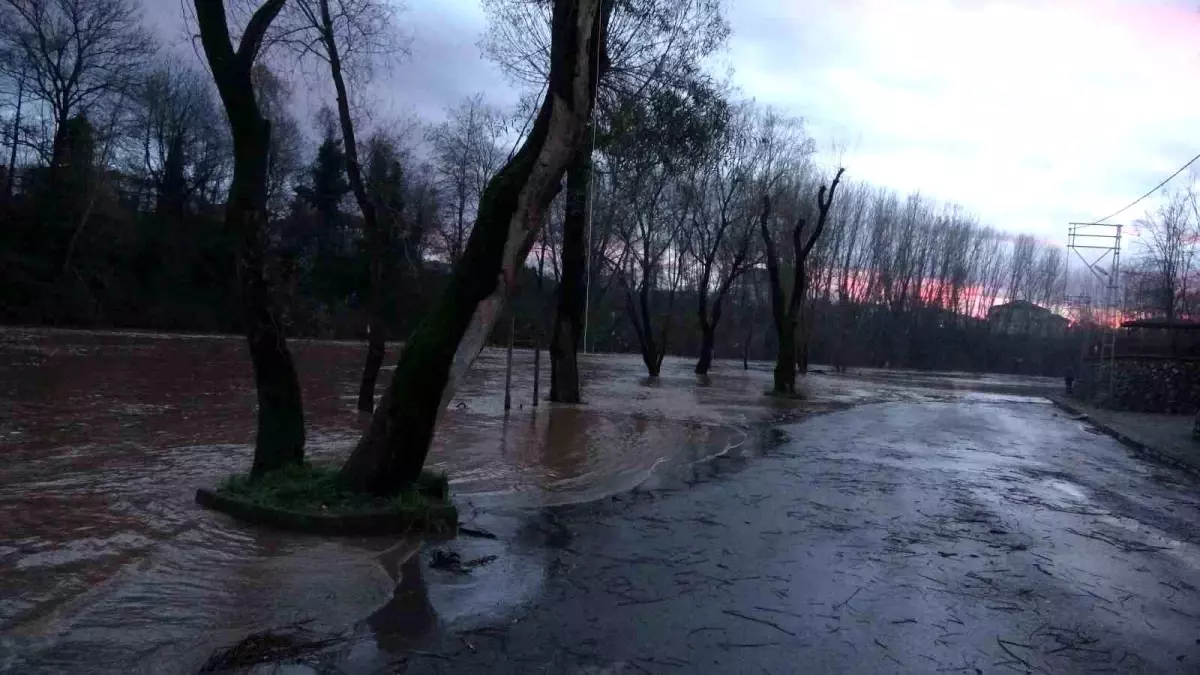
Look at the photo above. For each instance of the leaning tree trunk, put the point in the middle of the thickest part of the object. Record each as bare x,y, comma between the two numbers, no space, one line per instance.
280,439
568,320
392,452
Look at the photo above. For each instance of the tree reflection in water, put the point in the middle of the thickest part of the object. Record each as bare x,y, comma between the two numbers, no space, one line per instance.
408,617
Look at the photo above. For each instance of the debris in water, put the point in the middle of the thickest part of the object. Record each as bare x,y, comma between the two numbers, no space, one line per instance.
268,646
451,561
472,532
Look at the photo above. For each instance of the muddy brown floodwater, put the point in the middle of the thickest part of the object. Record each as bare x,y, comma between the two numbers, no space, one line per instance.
104,438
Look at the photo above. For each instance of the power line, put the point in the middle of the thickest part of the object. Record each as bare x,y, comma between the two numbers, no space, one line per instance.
1152,191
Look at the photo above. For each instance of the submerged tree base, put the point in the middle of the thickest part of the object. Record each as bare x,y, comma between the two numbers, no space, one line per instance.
309,498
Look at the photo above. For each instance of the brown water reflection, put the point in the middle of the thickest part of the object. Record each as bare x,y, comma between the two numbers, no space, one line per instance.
104,558
105,437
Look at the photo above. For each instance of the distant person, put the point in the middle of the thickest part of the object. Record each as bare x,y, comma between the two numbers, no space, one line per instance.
1070,379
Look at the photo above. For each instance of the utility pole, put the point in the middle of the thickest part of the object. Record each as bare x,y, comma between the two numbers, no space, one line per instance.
1098,245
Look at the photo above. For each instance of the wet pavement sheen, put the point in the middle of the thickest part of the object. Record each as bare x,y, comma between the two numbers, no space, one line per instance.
889,538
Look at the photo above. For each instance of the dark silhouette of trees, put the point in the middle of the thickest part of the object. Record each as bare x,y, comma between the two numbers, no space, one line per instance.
651,146
151,206
720,237
71,56
655,47
179,143
466,155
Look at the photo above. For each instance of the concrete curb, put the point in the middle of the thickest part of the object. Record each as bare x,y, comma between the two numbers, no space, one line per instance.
1136,445
441,519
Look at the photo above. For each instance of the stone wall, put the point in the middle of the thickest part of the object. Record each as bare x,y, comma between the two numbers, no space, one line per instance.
1142,384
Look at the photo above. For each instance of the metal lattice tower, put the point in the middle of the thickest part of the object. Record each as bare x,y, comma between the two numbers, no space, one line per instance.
1098,246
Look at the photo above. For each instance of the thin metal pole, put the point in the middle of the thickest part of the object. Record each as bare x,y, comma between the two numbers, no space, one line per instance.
587,226
537,364
512,323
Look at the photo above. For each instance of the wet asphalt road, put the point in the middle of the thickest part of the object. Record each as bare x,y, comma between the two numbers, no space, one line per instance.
889,538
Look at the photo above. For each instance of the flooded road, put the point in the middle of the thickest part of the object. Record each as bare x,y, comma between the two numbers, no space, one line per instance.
906,537
104,437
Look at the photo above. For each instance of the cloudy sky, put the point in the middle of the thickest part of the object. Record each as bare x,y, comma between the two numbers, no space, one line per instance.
1029,113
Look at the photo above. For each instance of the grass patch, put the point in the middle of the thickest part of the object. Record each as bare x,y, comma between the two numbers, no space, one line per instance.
314,488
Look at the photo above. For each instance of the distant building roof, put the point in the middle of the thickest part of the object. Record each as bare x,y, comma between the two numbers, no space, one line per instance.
1026,305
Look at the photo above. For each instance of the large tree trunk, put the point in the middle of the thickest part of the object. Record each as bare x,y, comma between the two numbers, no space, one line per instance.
280,439
746,345
568,320
803,321
785,360
708,337
785,325
708,324
644,327
651,358
436,358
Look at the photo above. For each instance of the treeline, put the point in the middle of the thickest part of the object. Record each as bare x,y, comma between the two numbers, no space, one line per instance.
115,185
901,280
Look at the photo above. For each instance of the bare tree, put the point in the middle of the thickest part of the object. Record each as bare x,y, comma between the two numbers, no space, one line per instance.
19,81
72,54
1168,246
437,356
179,144
785,307
655,143
349,36
466,155
721,232
650,257
280,439
285,152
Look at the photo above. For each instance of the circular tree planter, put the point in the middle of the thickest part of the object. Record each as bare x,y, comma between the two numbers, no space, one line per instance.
434,519
305,499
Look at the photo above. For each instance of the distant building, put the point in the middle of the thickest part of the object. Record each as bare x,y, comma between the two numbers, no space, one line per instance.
1021,317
